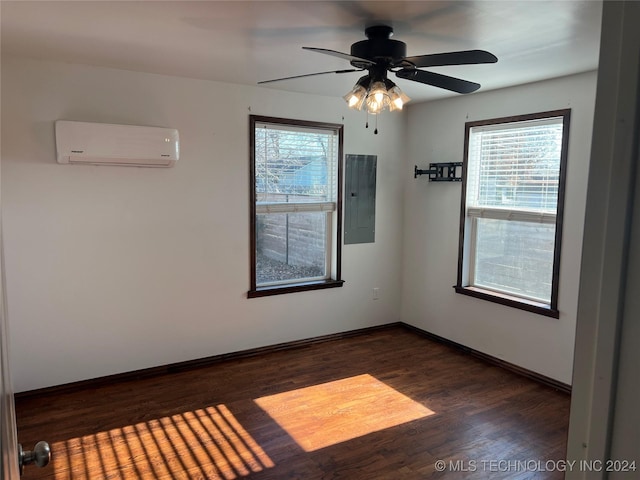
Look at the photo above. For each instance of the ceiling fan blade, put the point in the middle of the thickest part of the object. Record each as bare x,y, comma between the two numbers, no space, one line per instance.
344,56
310,75
438,80
465,57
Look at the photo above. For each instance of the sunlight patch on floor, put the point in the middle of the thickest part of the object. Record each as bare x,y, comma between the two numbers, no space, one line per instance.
322,415
205,443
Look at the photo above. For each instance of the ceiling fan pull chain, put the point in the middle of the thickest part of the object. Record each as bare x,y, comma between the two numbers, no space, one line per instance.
366,125
375,132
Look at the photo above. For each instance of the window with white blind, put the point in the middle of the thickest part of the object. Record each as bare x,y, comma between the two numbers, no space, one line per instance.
295,197
512,202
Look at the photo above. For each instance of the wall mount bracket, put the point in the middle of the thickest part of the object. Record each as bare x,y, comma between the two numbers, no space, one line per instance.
441,172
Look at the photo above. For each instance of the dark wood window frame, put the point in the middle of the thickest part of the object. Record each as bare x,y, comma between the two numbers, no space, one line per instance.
550,310
336,280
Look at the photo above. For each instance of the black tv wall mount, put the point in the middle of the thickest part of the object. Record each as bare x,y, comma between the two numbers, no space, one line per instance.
441,172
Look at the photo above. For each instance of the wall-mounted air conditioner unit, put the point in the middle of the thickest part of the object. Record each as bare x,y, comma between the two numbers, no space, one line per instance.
108,144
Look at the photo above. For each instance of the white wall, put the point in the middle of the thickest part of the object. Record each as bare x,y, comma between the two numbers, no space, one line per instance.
432,219
112,269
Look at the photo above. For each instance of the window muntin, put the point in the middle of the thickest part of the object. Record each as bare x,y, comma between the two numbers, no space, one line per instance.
295,201
511,213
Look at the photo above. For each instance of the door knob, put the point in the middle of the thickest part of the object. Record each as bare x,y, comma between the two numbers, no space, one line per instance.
40,455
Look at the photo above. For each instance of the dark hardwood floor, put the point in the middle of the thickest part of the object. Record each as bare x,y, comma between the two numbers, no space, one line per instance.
383,405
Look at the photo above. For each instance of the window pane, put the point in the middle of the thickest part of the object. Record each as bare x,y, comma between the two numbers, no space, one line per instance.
291,246
515,257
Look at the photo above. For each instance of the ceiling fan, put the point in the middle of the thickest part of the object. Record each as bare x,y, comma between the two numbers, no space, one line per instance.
380,54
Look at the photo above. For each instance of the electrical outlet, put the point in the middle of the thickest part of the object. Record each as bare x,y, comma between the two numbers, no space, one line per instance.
376,293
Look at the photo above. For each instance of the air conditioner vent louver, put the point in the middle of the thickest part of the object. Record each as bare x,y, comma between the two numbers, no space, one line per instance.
109,144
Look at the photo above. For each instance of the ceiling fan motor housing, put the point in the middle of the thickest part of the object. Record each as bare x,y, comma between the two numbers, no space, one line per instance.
378,46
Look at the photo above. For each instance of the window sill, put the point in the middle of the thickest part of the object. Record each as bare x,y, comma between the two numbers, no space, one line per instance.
293,288
508,300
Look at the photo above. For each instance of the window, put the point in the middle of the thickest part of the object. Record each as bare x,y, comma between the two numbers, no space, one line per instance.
296,173
512,202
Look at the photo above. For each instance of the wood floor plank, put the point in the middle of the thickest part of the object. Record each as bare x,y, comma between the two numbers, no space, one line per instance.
241,418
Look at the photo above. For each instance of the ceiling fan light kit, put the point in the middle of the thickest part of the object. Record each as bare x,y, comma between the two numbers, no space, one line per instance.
379,54
376,96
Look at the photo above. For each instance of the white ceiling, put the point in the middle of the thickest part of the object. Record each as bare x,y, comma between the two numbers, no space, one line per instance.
244,42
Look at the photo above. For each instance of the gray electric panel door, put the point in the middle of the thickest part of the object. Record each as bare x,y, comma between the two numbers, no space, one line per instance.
360,199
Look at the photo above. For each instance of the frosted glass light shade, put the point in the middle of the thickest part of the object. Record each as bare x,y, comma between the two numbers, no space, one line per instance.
397,98
378,98
355,98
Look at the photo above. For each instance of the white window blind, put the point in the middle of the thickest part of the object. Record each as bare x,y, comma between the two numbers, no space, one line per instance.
515,167
295,168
